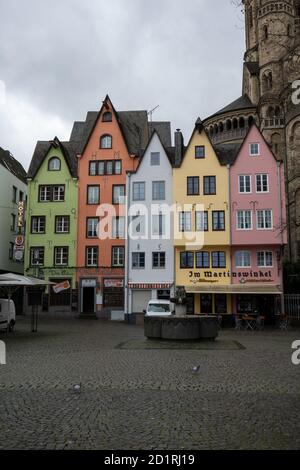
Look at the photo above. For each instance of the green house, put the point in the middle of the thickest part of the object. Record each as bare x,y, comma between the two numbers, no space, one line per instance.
51,232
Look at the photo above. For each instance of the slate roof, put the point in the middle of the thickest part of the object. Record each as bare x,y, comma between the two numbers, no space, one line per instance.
243,102
227,153
164,131
11,164
69,149
134,126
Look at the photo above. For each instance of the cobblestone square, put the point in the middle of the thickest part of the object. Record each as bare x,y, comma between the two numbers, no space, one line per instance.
240,398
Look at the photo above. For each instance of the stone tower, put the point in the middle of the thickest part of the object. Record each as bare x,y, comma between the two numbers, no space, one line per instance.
271,65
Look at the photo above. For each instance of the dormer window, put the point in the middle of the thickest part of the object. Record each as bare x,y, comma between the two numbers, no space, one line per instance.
54,164
254,150
200,151
107,117
106,141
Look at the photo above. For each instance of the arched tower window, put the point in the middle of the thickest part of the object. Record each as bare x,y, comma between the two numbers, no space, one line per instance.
267,81
228,125
235,123
250,121
241,123
54,164
106,141
221,127
266,32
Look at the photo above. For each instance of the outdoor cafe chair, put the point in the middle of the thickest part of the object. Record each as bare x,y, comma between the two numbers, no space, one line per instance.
260,322
238,323
250,322
284,322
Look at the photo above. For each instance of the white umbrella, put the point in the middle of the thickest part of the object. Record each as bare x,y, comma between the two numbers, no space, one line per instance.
15,280
10,281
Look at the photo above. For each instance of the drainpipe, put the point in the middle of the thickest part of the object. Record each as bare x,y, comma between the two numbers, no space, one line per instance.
281,232
230,231
127,246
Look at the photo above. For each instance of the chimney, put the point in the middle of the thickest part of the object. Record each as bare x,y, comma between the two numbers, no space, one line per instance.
178,147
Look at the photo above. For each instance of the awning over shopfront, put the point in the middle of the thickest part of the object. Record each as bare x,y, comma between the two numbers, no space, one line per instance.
256,289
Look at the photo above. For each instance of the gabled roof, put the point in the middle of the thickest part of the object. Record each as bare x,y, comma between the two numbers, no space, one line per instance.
170,151
164,131
12,165
134,126
227,153
243,102
69,151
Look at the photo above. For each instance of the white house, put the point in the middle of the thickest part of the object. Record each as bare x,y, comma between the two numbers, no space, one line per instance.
13,192
149,245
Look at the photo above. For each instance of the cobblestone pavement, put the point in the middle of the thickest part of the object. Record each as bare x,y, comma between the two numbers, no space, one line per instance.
146,398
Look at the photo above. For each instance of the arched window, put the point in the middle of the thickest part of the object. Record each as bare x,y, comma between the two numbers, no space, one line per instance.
106,141
267,81
266,32
241,123
221,127
107,116
235,123
216,128
289,31
250,121
228,125
54,164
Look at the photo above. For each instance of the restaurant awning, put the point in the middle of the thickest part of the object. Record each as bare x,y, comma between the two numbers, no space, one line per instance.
262,289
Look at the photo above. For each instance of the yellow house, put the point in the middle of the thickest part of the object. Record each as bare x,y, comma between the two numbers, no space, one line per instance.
202,226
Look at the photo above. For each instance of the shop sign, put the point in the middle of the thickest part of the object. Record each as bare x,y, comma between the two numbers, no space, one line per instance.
150,286
113,283
247,276
61,287
21,210
89,283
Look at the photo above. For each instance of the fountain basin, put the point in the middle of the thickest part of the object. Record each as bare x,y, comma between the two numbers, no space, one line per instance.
181,328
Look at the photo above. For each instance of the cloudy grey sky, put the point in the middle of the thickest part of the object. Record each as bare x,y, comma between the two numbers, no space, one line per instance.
59,59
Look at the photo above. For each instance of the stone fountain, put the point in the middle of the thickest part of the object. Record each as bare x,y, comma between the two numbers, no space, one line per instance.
181,326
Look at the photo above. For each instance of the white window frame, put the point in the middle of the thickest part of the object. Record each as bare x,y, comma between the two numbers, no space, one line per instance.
237,220
250,149
264,211
94,251
116,250
239,183
242,265
261,175
265,259
183,221
59,250
64,219
118,227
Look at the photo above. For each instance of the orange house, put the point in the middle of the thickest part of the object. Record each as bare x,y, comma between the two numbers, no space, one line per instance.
111,145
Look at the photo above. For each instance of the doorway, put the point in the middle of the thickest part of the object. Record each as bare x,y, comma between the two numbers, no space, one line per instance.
88,299
206,303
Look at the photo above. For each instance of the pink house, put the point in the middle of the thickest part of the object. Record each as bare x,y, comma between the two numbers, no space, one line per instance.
258,226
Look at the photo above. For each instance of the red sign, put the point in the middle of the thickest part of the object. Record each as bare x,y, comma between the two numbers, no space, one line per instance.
113,283
19,240
150,286
61,287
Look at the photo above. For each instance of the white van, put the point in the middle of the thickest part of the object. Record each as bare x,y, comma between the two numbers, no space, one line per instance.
159,308
7,314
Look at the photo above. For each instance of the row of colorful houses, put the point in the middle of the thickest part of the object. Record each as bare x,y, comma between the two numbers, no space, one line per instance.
124,216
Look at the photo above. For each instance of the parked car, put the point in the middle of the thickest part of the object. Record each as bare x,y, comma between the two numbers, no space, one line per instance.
7,314
159,308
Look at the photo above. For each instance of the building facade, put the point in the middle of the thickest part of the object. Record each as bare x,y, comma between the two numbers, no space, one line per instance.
271,66
202,226
258,227
13,195
111,145
52,217
149,244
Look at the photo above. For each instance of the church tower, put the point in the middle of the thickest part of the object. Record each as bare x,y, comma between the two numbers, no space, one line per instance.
271,67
